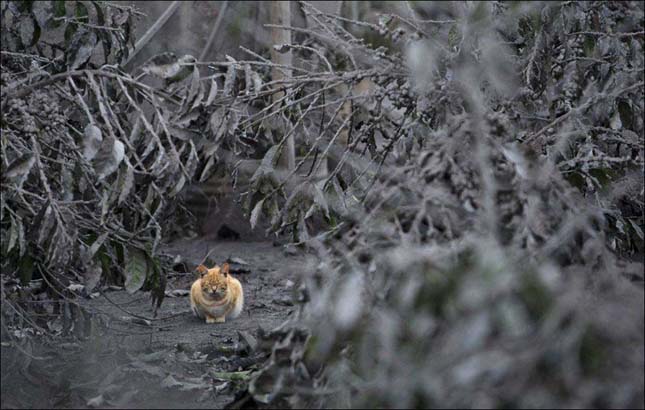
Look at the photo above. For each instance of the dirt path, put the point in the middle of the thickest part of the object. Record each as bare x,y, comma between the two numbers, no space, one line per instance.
175,361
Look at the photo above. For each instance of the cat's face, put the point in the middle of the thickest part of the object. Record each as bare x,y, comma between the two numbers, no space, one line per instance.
214,281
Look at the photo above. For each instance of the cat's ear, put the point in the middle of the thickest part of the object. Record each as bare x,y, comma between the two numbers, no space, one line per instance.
202,270
225,269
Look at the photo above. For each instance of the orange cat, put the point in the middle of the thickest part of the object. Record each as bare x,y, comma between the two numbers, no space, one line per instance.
216,295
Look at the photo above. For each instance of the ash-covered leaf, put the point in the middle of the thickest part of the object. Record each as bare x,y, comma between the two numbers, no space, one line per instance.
169,67
43,12
95,246
92,139
163,65
177,186
126,183
206,172
212,93
108,158
95,402
319,198
29,32
92,275
268,163
81,48
218,123
20,167
303,232
13,234
45,224
196,91
349,303
231,75
255,214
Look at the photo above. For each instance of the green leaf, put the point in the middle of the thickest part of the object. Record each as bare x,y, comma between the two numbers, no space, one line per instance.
81,12
24,6
136,269
26,269
454,36
59,11
588,45
625,112
604,176
158,287
70,29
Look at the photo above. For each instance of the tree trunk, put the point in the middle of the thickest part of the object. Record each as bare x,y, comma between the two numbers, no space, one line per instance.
280,14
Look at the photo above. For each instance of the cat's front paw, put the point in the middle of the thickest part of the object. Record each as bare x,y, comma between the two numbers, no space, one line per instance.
220,319
210,319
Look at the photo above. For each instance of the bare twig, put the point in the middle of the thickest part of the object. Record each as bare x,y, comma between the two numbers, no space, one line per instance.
581,109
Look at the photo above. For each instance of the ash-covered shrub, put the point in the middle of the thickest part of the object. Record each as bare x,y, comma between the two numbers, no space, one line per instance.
485,208
92,157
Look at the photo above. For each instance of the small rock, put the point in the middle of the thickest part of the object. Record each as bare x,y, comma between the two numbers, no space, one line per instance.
69,346
137,320
76,287
169,382
290,250
221,387
289,284
284,301
238,261
177,293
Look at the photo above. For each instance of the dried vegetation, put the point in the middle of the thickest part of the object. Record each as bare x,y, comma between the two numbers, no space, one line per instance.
469,174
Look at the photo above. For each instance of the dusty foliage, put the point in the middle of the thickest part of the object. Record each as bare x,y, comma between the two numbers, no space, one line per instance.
470,175
92,157
486,210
